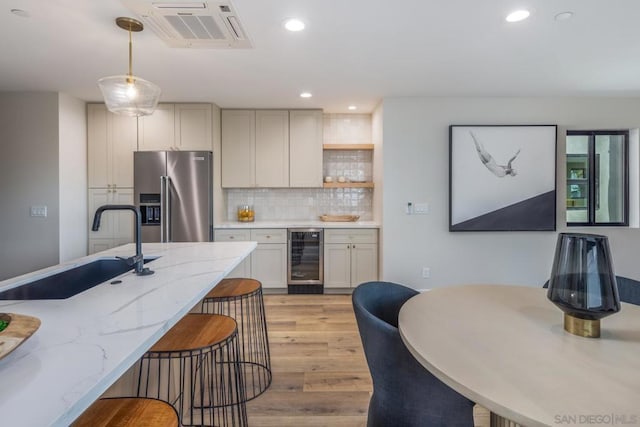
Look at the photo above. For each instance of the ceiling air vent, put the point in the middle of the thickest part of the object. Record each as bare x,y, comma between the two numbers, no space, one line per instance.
198,25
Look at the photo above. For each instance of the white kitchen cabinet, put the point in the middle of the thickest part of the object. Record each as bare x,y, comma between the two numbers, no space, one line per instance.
116,227
272,148
350,257
193,130
255,148
268,262
269,259
269,265
232,235
111,141
176,127
305,148
238,148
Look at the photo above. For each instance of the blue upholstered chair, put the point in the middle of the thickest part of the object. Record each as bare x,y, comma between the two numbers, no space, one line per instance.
628,290
405,394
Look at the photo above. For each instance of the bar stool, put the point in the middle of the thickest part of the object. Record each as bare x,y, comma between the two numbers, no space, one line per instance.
241,299
128,412
195,367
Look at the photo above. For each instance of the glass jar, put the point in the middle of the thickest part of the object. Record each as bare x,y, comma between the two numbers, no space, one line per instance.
246,213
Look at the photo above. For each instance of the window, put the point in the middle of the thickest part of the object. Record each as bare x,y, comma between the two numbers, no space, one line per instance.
597,178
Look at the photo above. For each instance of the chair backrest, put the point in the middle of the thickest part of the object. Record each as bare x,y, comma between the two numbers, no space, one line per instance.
404,392
628,289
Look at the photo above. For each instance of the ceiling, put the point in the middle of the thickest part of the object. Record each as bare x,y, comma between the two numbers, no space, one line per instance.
351,52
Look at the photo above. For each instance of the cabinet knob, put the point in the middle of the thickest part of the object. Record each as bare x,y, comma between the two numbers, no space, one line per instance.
348,246
354,246
231,237
268,237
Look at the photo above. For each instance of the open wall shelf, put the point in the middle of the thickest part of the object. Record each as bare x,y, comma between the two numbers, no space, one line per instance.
347,146
348,185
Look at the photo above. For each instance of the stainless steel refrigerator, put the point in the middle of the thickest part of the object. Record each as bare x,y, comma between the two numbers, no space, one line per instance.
173,190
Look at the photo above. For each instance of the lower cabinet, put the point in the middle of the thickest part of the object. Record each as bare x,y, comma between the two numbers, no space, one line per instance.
116,227
350,257
268,262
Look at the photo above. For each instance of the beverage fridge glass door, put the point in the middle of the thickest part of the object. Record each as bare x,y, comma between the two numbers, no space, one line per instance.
188,196
305,256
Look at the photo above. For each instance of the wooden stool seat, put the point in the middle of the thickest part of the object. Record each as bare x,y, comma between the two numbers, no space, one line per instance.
234,287
128,412
241,298
196,331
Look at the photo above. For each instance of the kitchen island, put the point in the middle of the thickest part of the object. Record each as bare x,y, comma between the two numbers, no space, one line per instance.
86,342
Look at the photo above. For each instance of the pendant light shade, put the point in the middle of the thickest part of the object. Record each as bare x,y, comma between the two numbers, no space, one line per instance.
127,94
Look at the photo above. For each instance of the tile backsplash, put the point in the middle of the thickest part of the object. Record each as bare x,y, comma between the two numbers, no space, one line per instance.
274,204
353,165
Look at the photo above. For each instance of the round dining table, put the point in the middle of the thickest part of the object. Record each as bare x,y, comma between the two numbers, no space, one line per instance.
505,348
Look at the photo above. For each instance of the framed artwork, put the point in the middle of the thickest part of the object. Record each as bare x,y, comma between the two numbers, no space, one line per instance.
502,178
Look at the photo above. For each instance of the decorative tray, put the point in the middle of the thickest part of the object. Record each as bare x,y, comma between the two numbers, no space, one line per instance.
14,330
339,218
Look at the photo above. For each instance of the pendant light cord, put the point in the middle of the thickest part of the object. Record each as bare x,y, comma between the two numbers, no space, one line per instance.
130,56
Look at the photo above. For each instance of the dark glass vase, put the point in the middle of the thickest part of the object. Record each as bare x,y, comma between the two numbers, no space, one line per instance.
583,283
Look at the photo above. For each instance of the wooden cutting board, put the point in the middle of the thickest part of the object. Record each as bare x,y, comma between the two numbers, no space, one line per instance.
20,328
339,218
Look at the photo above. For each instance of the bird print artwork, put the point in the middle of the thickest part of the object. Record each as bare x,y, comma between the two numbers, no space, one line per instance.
487,159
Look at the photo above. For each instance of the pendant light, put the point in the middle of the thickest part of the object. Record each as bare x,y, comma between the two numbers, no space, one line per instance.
129,95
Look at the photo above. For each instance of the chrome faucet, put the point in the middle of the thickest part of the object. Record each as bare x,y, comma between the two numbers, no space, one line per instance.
137,259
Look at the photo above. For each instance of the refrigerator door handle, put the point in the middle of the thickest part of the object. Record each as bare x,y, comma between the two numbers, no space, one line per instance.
167,192
163,207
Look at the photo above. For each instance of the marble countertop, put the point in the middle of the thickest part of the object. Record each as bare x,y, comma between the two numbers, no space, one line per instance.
86,342
297,224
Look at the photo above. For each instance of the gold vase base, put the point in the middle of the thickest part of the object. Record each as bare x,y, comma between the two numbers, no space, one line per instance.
582,327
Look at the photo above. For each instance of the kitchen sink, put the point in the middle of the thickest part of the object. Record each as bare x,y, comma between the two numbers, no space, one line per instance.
70,282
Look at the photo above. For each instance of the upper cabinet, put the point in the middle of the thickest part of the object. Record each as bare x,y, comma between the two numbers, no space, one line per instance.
305,148
176,127
271,148
112,139
238,153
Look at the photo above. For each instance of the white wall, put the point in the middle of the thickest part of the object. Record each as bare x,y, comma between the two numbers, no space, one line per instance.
416,168
28,177
378,182
73,177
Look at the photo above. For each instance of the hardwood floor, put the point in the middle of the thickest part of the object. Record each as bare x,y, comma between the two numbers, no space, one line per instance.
320,375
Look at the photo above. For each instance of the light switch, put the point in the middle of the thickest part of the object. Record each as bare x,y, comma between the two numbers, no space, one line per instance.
38,211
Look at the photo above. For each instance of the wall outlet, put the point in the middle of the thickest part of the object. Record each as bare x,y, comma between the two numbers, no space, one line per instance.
426,272
38,211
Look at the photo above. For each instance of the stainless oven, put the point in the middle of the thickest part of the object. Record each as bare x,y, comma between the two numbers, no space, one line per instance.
305,260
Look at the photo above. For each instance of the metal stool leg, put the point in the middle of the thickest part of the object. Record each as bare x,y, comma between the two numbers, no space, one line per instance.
255,357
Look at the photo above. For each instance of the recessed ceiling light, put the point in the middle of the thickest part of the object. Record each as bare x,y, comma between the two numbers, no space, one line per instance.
21,13
352,107
293,24
517,16
564,16
305,95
